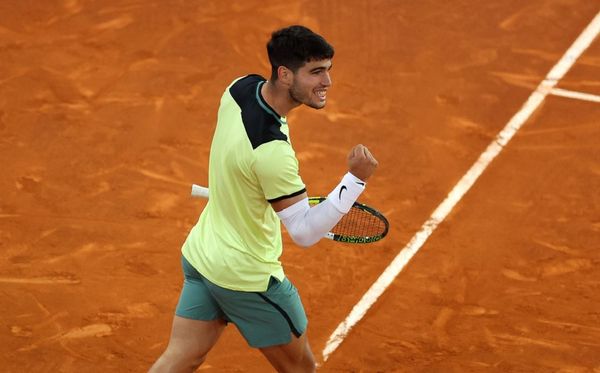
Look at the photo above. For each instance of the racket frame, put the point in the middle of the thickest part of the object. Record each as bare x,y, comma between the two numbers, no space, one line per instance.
356,239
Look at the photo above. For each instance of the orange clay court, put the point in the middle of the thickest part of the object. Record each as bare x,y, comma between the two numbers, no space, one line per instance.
107,110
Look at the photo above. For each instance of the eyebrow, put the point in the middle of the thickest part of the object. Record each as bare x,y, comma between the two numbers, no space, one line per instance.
320,68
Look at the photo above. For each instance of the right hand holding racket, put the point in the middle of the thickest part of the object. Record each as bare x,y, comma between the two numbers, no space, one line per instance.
361,162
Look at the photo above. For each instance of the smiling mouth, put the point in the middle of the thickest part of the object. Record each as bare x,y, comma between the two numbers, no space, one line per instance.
321,94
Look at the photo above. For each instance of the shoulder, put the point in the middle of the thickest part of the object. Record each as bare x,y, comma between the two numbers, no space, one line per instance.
260,121
245,87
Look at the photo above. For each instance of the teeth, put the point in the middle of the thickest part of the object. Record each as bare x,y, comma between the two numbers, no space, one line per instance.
322,94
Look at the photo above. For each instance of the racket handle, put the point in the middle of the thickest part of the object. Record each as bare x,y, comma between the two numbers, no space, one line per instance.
199,191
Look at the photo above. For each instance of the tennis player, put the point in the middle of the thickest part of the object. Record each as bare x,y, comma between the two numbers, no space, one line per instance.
231,256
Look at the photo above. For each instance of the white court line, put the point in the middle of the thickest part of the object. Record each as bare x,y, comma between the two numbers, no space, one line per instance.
533,102
576,95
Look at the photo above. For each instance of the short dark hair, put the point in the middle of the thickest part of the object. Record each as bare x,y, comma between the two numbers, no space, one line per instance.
294,46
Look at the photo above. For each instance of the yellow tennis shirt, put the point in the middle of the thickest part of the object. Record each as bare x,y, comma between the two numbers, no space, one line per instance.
236,242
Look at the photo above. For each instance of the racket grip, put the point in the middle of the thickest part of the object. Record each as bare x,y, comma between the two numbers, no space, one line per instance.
199,191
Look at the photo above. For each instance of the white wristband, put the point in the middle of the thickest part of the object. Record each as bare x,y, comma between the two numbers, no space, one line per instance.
346,193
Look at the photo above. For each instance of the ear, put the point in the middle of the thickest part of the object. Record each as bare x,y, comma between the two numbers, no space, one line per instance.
285,75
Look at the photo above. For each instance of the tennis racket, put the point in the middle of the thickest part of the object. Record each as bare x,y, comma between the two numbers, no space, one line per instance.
362,224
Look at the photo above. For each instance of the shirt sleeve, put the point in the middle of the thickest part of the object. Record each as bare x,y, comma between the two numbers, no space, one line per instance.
276,168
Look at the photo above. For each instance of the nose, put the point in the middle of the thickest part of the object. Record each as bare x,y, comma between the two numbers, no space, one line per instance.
326,81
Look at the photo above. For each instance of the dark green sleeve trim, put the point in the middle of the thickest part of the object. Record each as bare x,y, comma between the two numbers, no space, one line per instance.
288,196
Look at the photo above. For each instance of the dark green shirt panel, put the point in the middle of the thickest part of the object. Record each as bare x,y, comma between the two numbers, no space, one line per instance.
261,122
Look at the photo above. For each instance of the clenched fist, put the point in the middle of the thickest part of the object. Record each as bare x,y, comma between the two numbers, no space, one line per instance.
361,162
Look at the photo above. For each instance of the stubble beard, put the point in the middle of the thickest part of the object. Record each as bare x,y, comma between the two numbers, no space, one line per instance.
297,96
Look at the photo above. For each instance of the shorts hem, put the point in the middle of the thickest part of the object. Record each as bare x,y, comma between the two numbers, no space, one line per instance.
199,318
272,343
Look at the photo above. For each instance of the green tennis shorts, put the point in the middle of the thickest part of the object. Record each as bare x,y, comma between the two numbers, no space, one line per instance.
264,318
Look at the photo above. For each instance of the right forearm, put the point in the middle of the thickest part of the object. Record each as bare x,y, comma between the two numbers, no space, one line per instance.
308,225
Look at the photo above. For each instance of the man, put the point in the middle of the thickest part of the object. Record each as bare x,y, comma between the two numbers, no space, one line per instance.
231,257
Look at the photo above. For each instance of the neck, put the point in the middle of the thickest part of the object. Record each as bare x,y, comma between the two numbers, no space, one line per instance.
278,97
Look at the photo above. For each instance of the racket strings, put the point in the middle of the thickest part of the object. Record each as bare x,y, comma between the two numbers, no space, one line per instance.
359,223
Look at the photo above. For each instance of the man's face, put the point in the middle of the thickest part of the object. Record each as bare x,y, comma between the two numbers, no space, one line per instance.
310,84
